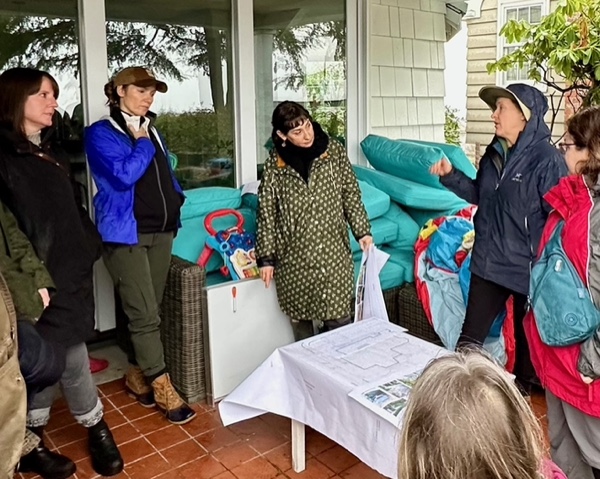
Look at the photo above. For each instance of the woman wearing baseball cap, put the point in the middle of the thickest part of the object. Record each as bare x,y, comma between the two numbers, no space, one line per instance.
519,166
137,212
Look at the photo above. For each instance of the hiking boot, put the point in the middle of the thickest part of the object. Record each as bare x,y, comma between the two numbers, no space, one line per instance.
48,464
137,387
169,402
106,458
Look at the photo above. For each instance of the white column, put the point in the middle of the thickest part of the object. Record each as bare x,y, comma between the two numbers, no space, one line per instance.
94,72
357,54
244,90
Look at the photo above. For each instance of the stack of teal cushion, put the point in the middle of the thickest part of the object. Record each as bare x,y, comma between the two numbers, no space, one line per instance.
393,229
401,169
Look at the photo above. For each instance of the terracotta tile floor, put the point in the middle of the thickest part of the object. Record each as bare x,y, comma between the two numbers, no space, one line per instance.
255,449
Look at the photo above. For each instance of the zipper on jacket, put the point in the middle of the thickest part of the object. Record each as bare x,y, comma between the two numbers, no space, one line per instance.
162,194
500,167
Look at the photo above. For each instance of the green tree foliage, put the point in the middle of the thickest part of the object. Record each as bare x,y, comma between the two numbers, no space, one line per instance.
562,51
452,126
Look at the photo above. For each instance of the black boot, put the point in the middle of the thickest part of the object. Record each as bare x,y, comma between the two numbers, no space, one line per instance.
106,458
46,463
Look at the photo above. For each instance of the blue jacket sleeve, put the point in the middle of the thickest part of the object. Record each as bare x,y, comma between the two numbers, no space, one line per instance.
463,186
552,172
110,160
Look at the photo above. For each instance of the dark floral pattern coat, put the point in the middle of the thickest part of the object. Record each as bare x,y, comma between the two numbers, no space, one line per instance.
303,231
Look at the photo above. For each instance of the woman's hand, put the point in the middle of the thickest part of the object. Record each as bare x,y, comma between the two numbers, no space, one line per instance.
365,242
585,379
137,134
441,168
266,274
45,296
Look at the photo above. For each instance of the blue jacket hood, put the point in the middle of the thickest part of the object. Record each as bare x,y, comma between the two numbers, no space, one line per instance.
536,129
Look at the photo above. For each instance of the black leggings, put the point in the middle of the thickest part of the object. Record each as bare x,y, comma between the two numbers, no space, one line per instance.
596,473
486,301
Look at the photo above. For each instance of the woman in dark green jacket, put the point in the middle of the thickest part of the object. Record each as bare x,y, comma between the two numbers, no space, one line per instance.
308,197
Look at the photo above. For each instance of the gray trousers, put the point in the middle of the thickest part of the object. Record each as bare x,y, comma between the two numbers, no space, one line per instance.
78,389
574,439
140,275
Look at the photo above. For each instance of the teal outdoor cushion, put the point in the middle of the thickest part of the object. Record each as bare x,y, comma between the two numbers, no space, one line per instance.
376,201
202,201
410,160
383,231
423,216
408,229
408,193
455,154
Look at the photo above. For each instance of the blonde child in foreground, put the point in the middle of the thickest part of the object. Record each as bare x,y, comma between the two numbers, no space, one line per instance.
466,419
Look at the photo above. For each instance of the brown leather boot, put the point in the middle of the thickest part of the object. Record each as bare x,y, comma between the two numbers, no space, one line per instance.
137,387
169,402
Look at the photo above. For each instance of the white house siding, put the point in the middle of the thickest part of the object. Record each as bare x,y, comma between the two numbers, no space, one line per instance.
482,44
406,43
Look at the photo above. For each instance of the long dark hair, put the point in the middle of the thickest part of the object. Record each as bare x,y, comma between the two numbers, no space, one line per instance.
584,128
287,116
16,85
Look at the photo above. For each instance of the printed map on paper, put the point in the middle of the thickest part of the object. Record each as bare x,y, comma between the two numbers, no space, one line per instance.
368,352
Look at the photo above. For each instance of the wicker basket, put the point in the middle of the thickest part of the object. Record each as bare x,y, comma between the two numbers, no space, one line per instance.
182,328
412,316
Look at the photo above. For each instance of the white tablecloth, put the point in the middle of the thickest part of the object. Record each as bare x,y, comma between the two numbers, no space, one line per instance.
309,381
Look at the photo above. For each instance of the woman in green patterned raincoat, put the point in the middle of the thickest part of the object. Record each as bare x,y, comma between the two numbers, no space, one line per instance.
307,198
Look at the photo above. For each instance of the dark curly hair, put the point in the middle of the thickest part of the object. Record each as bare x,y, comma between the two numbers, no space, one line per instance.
584,128
287,116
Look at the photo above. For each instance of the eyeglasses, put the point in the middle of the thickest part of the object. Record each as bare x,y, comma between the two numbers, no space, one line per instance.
564,147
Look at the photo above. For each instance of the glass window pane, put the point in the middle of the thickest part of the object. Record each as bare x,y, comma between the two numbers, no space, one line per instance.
523,14
300,56
535,14
511,14
190,49
44,35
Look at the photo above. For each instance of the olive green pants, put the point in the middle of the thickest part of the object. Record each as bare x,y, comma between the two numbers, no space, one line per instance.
140,274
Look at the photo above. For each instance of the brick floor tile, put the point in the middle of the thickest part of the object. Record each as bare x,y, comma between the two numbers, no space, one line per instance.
281,457
136,449
235,454
206,467
124,433
152,466
280,424
113,387
316,443
59,420
183,453
76,450
258,468
217,438
338,459
360,471
203,422
136,411
120,399
114,418
266,440
167,437
314,470
66,435
152,423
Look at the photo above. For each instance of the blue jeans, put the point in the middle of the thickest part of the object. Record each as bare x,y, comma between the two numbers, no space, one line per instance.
78,389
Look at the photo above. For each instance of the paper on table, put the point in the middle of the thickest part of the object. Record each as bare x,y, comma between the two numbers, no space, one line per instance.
369,301
387,397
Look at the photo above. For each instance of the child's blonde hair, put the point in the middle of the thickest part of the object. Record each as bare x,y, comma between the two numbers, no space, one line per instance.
466,419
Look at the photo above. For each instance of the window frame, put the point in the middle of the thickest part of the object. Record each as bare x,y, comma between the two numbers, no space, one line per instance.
501,44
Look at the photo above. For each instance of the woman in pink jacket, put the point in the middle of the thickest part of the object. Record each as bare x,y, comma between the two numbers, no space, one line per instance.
569,373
